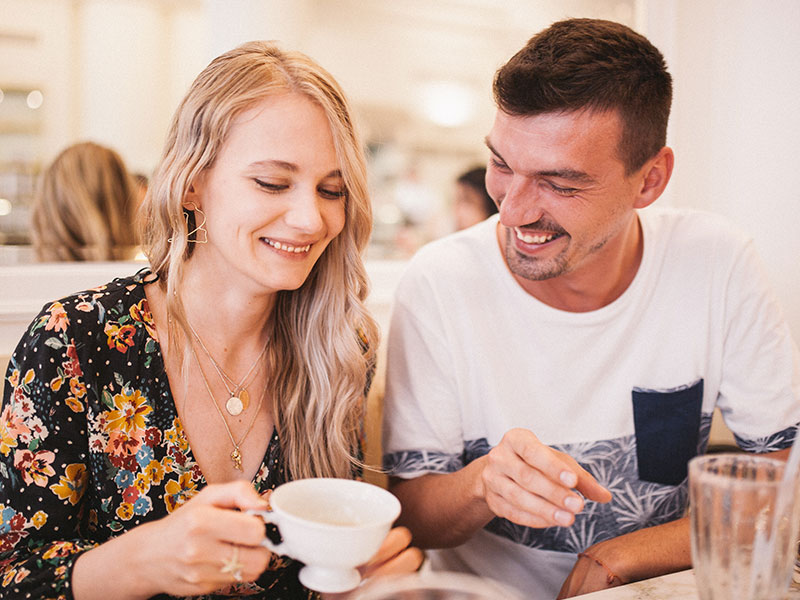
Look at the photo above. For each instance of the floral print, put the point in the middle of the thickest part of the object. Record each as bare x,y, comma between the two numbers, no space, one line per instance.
91,444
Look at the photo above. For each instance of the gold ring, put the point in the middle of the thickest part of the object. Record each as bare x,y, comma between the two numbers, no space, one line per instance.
233,566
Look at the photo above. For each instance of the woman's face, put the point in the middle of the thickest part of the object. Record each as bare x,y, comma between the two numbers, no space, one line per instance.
274,197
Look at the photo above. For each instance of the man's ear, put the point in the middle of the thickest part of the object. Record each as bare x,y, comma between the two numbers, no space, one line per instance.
654,177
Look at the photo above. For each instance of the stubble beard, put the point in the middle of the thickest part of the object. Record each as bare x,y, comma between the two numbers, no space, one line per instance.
529,267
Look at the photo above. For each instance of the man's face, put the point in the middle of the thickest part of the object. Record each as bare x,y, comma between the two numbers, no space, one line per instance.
564,199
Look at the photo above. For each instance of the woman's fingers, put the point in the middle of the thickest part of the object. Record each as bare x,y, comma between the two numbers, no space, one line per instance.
394,555
397,539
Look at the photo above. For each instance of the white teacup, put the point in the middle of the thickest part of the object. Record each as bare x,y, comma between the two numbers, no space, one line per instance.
331,525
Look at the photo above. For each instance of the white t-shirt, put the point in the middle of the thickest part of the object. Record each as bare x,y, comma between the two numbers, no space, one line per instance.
627,390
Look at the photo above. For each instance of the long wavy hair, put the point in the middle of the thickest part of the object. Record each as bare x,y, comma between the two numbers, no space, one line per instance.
84,207
322,344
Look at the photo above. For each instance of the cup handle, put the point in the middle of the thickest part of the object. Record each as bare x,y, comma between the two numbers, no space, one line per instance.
270,517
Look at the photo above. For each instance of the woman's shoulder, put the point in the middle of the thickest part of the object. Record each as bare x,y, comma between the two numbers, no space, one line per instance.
97,305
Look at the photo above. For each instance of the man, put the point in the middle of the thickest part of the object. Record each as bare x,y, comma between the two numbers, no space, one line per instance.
552,370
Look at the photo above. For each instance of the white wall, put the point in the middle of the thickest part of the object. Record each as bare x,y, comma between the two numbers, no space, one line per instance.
736,120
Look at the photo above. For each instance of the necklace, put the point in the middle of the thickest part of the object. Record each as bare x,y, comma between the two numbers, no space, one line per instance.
236,454
238,398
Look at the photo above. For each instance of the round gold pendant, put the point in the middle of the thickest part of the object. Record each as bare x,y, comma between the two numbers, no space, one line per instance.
234,406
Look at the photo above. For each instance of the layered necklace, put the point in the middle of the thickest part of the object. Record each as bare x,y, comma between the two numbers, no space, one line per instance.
238,398
236,454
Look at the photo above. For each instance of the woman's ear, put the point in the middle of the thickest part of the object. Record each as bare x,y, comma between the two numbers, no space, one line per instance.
191,201
655,175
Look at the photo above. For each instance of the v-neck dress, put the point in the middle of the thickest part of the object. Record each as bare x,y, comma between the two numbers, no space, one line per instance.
91,444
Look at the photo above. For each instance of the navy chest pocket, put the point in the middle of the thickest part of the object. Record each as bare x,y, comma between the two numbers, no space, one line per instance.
667,431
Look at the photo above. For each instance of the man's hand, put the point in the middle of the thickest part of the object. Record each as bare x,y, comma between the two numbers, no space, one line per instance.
531,484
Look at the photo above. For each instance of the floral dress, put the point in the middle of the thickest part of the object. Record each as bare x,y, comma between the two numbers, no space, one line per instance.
91,444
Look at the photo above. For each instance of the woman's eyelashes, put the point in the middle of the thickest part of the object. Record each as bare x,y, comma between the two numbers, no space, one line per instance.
273,188
332,192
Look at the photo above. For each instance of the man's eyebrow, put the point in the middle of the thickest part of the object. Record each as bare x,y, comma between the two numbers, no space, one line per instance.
569,174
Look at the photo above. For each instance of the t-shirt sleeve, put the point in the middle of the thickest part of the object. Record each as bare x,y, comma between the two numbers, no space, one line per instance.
43,453
759,394
422,419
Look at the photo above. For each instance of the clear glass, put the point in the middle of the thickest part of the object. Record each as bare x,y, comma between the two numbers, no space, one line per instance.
434,585
741,549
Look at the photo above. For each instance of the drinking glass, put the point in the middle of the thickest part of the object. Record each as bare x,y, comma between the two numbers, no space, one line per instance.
741,548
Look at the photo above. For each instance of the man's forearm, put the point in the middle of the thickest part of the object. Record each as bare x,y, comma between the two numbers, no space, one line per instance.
668,549
443,510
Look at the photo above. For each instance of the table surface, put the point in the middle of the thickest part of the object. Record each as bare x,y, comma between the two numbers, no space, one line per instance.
675,586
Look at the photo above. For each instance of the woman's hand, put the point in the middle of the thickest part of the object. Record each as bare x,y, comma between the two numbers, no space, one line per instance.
203,546
394,557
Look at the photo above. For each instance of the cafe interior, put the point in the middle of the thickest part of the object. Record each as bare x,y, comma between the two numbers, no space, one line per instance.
418,73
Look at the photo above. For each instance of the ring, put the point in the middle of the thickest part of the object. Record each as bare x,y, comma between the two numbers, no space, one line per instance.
233,566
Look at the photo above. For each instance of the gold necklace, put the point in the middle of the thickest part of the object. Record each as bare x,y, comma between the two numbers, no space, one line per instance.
236,454
238,398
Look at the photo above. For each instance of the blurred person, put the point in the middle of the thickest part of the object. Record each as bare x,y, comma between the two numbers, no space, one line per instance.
552,370
142,183
85,207
142,419
473,203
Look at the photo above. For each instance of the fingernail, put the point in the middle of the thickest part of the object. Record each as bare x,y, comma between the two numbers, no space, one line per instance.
563,517
568,478
573,503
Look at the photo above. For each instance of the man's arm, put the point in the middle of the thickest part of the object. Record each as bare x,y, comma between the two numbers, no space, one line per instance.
521,479
642,554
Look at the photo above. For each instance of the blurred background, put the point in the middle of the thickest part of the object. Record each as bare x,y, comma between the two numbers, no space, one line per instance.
419,75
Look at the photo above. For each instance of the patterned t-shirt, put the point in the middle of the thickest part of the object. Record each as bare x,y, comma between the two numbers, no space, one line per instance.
91,444
628,390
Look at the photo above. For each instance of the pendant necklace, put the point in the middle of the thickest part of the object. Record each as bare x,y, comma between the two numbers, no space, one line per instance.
236,454
238,397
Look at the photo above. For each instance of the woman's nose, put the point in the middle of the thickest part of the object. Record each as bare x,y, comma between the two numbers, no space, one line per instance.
304,214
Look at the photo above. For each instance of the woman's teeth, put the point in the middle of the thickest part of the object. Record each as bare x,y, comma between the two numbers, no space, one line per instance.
288,248
534,239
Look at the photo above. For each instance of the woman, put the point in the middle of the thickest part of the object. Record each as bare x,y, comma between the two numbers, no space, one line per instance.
84,207
473,203
239,362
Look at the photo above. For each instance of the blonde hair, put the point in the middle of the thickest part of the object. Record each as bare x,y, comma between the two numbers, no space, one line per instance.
318,355
84,207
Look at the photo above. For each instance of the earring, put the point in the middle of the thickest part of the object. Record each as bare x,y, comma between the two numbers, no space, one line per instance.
200,233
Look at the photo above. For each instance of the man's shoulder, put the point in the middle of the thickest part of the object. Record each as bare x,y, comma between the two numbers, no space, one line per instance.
457,252
458,261
689,228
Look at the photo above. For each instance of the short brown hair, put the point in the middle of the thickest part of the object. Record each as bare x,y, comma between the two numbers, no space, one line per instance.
591,64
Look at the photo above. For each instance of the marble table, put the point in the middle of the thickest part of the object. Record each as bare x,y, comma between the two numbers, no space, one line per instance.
675,586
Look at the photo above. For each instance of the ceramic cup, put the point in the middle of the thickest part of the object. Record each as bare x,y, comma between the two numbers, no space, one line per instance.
743,542
331,525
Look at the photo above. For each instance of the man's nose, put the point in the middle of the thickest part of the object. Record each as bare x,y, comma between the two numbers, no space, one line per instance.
521,203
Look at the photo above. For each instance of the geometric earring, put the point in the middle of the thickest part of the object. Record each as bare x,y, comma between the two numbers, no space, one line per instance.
199,232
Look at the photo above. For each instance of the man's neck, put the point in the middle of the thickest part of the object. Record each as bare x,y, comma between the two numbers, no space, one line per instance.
598,282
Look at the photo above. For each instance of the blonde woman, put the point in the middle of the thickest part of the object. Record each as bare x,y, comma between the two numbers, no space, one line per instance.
144,417
84,207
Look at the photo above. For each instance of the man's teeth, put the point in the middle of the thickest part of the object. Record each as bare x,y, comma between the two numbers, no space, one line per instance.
288,248
534,239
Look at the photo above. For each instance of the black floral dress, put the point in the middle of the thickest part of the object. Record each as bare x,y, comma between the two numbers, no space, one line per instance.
91,444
